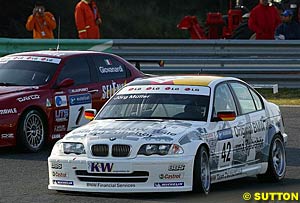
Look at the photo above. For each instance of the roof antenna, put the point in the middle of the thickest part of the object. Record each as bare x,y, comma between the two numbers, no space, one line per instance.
58,34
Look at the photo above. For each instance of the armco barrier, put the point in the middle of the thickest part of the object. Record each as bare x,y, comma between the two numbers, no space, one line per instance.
256,61
9,46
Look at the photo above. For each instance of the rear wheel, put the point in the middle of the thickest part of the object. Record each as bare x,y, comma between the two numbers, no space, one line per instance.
31,131
277,161
201,173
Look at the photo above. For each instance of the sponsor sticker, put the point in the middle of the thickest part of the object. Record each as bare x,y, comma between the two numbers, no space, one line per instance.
59,174
171,176
166,89
28,98
7,136
60,128
106,167
80,99
79,90
63,182
176,167
169,184
56,165
61,101
56,136
111,185
30,58
225,134
61,115
8,111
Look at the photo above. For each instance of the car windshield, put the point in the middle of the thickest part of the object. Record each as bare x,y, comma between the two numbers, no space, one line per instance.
156,106
26,72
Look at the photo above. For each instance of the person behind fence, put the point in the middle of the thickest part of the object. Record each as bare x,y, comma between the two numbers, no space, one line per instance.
289,29
87,19
42,23
263,20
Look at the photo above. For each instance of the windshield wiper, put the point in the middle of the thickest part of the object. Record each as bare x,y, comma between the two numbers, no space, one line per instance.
7,84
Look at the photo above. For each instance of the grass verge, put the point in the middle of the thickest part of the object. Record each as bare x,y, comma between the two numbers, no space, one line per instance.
283,97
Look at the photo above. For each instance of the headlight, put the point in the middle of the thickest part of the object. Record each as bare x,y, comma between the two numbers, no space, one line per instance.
73,148
160,149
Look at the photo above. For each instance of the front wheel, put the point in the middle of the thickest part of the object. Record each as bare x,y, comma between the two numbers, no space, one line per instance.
201,173
31,131
277,161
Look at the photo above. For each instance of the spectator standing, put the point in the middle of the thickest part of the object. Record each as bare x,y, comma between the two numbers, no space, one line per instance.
263,20
41,23
289,29
87,19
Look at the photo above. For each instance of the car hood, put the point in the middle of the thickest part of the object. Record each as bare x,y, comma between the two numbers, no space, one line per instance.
135,130
4,90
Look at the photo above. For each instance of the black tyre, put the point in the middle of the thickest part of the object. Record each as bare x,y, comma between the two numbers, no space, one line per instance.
242,31
201,172
276,163
31,131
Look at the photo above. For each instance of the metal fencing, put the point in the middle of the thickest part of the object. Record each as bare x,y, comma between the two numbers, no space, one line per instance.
255,61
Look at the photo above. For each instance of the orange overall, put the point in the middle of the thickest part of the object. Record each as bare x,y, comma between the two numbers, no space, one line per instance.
42,26
85,18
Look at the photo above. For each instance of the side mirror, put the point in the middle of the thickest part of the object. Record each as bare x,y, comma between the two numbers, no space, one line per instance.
226,115
66,83
90,114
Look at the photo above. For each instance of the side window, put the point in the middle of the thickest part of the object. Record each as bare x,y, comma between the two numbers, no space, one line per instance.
109,68
77,69
223,100
257,100
244,97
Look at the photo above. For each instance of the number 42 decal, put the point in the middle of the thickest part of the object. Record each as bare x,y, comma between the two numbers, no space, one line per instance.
226,152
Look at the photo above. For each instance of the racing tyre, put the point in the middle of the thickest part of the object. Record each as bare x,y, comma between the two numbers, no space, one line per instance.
201,172
276,163
31,131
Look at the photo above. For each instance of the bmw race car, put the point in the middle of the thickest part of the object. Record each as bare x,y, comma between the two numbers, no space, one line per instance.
172,133
43,94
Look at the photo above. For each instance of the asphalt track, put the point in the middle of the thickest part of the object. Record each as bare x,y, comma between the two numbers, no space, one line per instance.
24,178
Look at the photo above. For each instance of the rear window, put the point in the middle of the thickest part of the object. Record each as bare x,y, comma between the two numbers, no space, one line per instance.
27,72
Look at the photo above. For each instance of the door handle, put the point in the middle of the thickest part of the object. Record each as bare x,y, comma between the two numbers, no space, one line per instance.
93,91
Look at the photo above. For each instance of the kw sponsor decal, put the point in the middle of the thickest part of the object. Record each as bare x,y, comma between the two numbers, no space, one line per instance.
169,184
100,167
28,98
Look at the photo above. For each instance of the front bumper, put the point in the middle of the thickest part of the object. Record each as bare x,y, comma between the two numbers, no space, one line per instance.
141,174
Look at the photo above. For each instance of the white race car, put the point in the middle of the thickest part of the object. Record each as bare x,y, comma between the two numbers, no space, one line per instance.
172,133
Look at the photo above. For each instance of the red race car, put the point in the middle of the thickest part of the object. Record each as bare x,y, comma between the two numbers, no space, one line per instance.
43,94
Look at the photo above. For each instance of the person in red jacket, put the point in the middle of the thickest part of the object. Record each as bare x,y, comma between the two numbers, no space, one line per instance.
263,20
41,23
87,19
